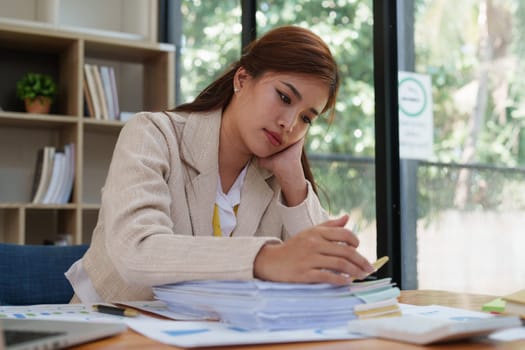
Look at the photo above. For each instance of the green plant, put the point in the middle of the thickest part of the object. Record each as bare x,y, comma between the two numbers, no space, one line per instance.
33,85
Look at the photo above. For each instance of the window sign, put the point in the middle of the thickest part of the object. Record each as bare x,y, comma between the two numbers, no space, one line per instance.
415,116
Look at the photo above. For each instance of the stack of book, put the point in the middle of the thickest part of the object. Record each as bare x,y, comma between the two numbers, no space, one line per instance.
54,175
281,306
100,92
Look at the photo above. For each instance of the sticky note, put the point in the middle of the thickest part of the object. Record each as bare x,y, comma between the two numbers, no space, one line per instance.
496,305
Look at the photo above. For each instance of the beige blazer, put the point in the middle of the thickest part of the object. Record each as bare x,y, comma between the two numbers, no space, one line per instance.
155,221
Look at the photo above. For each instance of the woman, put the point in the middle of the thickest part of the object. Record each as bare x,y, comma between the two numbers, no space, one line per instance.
220,188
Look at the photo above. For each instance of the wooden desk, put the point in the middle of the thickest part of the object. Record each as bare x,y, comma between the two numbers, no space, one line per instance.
132,340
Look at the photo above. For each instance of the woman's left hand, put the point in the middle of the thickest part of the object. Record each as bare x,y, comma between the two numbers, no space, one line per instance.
287,168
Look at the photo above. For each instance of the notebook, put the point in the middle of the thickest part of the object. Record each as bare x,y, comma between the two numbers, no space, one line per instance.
45,334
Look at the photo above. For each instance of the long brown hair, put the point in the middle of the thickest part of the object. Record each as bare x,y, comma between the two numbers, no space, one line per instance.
287,49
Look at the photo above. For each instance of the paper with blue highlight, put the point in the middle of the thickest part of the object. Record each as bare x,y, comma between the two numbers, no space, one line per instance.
190,334
69,312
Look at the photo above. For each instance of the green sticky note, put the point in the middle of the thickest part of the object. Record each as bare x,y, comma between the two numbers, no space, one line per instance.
496,305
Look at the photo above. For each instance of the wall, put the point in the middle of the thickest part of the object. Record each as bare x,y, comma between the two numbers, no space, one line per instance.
135,17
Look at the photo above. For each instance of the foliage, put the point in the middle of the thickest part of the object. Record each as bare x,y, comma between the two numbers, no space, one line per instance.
491,190
344,186
211,41
449,49
33,85
516,105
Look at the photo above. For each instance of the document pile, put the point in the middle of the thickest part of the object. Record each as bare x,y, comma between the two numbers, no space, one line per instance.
280,306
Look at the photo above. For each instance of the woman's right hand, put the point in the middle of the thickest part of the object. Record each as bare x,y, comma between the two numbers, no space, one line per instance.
325,253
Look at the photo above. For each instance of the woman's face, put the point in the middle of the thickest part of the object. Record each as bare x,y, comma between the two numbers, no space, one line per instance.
276,109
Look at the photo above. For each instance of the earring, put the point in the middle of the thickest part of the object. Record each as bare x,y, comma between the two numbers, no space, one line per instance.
236,89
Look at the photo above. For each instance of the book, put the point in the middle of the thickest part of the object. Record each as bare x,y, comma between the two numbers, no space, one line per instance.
38,171
100,92
67,187
88,100
114,92
61,179
65,180
106,86
515,303
56,176
92,88
45,177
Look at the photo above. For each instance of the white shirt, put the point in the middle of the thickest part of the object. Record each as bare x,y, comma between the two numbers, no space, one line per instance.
227,202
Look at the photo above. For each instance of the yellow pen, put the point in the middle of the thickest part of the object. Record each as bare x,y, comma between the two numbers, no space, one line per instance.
113,310
376,265
380,262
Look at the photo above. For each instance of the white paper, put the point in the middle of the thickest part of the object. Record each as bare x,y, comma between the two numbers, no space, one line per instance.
71,312
456,314
202,333
511,334
157,307
443,312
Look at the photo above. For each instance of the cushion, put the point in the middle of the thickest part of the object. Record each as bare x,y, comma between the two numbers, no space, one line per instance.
34,274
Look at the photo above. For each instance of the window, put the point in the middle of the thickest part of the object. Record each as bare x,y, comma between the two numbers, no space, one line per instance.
470,195
210,41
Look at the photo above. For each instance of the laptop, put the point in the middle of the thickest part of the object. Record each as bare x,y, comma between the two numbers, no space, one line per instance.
46,334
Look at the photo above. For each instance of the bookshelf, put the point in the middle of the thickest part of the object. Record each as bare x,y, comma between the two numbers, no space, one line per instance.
144,72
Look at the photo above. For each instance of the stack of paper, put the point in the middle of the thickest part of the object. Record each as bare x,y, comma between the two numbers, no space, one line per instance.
278,306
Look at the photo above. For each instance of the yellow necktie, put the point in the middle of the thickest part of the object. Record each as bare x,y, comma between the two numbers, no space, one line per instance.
216,221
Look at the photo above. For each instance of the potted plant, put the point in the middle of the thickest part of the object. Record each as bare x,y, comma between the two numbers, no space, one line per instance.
37,91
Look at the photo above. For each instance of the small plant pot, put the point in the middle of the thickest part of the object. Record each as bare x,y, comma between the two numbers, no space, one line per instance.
40,105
